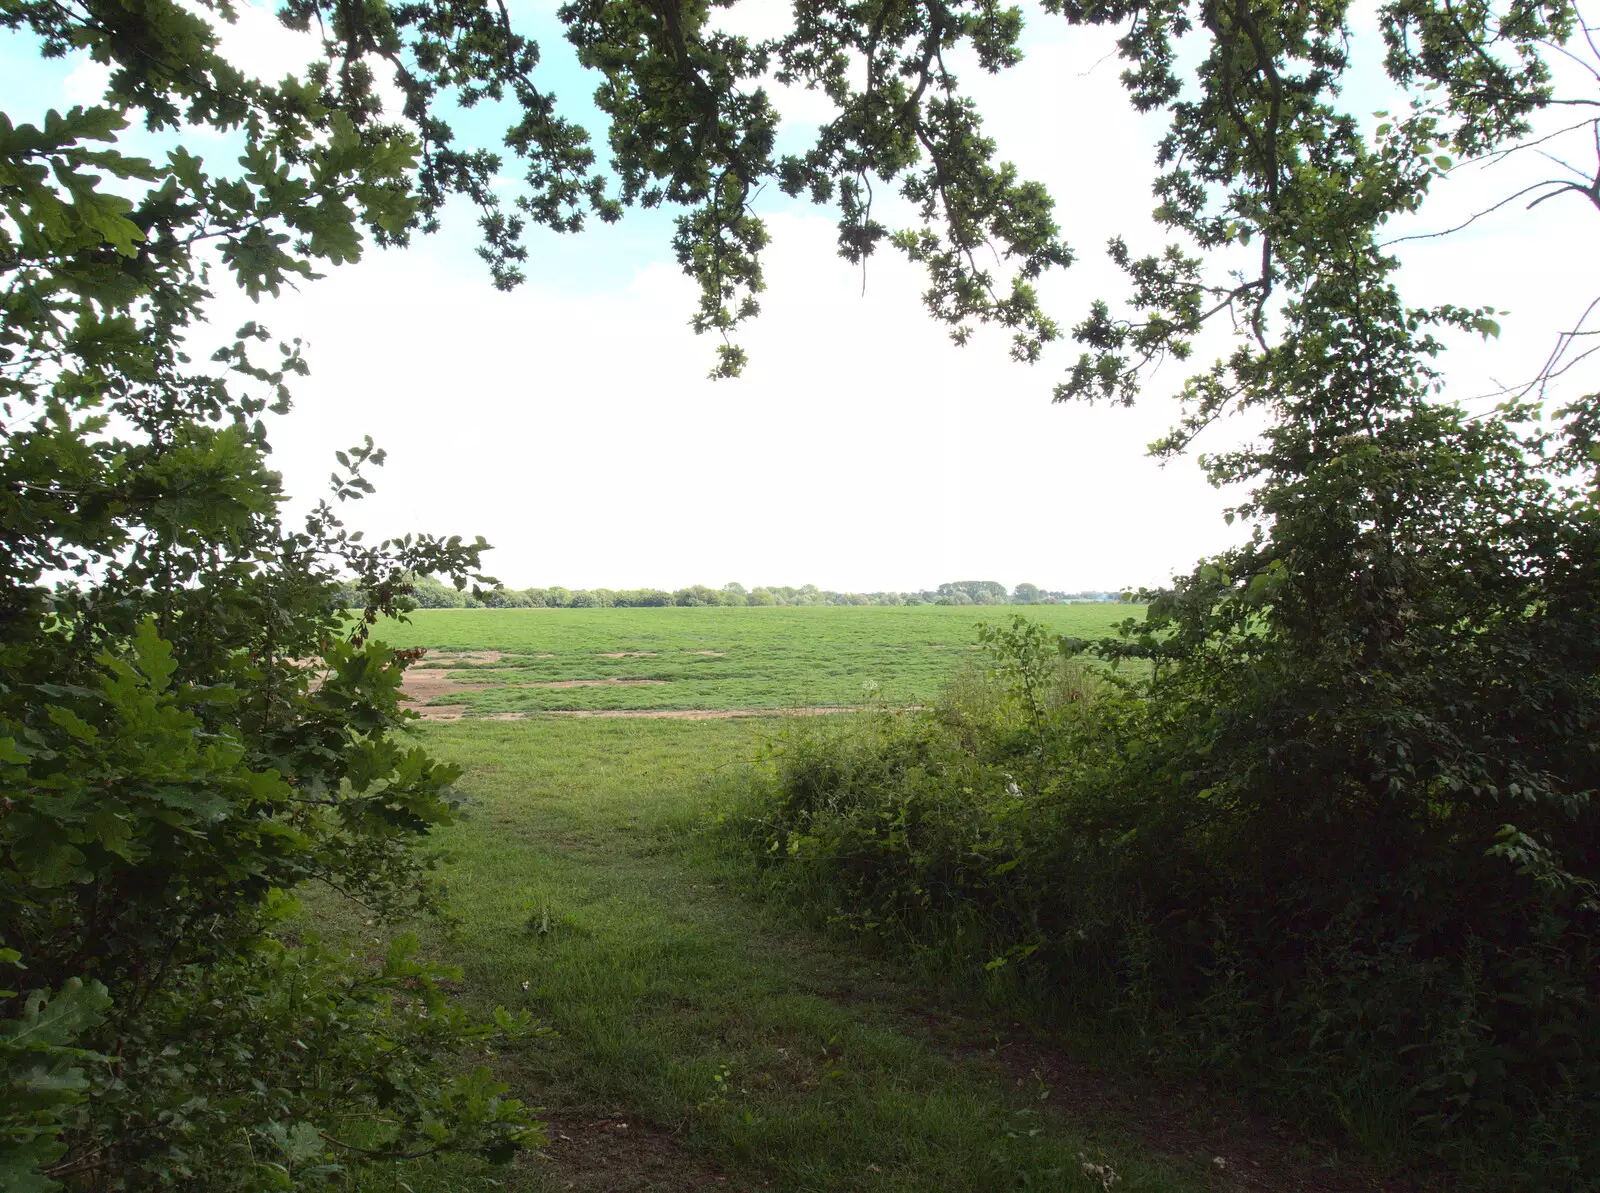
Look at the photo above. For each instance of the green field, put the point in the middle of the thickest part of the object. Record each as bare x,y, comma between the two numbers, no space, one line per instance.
506,661
700,1039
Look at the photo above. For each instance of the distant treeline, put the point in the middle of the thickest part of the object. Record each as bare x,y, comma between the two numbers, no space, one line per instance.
430,594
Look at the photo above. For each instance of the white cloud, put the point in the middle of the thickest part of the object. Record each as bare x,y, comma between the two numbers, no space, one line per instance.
755,19
86,83
258,43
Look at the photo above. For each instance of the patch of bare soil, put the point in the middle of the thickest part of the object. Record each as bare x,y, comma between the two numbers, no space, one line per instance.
715,654
590,1155
450,658
422,685
702,714
441,712
585,683
626,654
454,712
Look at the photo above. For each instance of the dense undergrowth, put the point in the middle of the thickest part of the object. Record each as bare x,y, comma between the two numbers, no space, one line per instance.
166,1026
1206,885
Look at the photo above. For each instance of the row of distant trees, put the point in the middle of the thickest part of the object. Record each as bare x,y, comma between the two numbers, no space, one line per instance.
430,594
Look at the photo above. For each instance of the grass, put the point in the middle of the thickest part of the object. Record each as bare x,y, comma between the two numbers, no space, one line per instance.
700,1040
711,658
700,1043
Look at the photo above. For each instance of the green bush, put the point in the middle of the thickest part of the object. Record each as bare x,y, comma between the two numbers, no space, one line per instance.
157,809
194,718
44,1070
1196,863
644,598
428,593
506,598
698,595
158,806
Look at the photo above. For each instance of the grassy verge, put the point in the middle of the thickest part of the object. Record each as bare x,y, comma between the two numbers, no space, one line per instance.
698,1043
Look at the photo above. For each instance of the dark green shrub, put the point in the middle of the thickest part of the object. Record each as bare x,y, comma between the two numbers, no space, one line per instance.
1194,855
194,720
157,805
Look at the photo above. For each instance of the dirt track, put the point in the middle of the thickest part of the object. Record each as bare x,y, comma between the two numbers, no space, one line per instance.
431,680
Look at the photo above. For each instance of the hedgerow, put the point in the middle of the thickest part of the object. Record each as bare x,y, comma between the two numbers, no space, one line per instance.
1257,868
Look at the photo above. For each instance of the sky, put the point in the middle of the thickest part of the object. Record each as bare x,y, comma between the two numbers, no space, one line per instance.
571,423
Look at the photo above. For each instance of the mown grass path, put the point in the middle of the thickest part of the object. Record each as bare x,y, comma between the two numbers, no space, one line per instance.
700,1044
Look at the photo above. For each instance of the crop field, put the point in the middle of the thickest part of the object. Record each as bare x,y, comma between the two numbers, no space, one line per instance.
687,661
